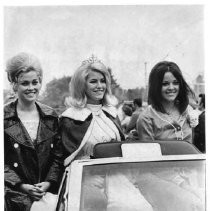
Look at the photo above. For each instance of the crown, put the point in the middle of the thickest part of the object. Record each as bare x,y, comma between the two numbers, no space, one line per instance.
91,60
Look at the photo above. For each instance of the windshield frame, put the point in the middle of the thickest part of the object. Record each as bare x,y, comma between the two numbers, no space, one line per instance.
76,172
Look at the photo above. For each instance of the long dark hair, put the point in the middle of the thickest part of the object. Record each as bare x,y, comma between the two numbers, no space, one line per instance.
155,85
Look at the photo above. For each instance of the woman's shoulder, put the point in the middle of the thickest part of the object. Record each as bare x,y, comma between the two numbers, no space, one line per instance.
148,116
47,110
9,106
79,114
147,112
111,110
10,109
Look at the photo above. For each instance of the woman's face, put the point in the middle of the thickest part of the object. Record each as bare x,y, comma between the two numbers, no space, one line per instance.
28,86
170,87
95,87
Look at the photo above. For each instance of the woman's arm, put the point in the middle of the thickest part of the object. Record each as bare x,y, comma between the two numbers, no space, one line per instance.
72,133
11,176
57,157
145,128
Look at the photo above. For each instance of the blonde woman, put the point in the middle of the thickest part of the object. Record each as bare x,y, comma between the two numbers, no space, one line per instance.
91,119
32,147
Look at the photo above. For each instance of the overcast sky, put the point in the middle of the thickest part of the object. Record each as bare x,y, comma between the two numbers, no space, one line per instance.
124,38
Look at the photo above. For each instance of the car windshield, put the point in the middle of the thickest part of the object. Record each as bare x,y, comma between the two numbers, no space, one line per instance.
156,185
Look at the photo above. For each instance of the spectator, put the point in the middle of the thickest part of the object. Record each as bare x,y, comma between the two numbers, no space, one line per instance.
32,148
169,115
127,112
199,131
137,111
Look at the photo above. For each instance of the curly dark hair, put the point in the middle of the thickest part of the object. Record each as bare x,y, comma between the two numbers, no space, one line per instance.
138,102
127,110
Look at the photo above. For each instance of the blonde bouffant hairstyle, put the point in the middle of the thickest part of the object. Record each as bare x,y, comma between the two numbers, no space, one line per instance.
77,84
22,63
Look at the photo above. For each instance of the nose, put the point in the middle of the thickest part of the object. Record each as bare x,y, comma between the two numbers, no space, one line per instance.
30,86
171,86
99,84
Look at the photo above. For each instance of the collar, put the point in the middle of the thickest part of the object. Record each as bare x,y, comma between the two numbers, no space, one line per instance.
46,110
10,110
81,114
163,116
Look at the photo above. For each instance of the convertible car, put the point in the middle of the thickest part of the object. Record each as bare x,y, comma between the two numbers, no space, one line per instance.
131,176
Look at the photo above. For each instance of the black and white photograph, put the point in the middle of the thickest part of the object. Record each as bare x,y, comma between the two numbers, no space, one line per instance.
104,106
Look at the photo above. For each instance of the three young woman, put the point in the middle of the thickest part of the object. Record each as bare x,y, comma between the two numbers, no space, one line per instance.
33,148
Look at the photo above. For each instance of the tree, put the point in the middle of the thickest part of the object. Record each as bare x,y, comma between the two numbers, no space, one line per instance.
55,92
126,94
115,87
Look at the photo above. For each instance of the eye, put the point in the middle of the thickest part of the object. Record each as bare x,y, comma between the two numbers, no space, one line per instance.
165,83
92,81
103,80
24,83
35,82
176,82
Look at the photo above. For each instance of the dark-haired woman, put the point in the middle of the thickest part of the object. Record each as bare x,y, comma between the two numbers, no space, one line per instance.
168,116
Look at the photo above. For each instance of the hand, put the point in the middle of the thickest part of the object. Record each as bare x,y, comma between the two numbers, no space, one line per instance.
43,186
31,190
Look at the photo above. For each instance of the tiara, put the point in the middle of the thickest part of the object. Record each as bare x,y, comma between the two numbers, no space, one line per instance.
91,60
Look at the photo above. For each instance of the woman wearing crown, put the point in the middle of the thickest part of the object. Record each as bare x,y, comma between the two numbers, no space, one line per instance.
90,119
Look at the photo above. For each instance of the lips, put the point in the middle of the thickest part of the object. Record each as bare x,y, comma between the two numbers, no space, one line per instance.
30,93
99,91
171,93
